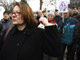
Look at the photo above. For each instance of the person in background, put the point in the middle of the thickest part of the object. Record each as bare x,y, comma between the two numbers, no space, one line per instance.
52,21
1,27
6,22
57,16
67,36
51,18
74,11
27,42
78,16
10,15
44,13
77,37
39,14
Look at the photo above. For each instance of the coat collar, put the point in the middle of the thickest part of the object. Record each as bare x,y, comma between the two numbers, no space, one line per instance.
26,31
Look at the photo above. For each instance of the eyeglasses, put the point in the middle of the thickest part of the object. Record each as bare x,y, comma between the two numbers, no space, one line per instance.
16,13
65,13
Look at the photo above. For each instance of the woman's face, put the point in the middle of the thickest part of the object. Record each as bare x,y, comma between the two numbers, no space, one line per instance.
50,17
16,16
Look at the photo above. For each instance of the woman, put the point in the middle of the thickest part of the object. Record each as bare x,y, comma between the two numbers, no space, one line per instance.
51,18
27,42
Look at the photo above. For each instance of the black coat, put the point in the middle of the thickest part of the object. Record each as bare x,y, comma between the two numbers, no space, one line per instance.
77,37
77,34
58,18
77,17
30,44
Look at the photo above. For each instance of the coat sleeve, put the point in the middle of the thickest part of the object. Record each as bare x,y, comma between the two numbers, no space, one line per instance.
52,42
1,43
77,34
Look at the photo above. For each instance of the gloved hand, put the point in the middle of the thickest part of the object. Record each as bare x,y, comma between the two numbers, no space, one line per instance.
45,22
62,26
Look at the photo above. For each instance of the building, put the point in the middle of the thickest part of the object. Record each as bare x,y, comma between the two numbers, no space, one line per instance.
74,3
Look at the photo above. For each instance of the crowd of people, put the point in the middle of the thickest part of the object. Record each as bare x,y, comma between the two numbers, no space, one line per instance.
25,37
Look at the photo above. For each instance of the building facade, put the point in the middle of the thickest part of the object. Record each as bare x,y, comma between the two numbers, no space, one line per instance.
75,3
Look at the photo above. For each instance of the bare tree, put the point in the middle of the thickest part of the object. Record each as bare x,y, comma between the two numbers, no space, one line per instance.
7,5
25,1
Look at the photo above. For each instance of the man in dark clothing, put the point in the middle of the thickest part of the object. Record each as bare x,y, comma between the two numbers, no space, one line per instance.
39,14
44,13
0,35
74,11
78,16
57,16
6,22
77,35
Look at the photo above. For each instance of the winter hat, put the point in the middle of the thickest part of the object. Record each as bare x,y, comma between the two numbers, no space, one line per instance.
51,13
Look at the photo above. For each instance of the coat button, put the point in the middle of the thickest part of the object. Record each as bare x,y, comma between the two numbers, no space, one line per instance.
24,32
18,44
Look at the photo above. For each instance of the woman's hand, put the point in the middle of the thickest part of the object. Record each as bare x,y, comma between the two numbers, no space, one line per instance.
45,22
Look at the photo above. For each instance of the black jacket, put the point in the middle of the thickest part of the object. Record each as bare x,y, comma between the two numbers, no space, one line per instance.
77,17
30,44
5,24
77,34
58,18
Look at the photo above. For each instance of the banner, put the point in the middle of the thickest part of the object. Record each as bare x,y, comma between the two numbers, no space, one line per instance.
63,6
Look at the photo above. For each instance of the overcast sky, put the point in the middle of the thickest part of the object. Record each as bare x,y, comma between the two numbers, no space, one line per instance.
34,4
13,0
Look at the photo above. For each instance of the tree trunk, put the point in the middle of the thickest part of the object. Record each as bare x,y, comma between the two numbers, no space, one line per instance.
25,1
40,4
